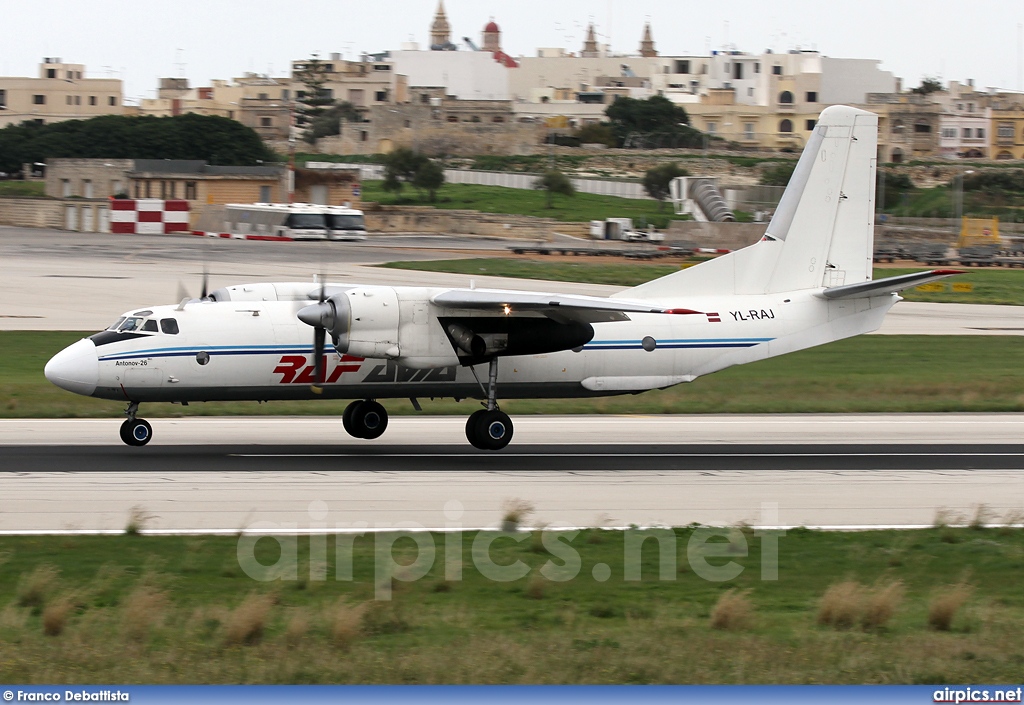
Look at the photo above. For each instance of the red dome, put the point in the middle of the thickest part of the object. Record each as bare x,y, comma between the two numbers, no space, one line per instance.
491,27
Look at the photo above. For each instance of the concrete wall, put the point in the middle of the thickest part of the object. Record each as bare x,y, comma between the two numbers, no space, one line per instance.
421,219
72,214
106,176
726,236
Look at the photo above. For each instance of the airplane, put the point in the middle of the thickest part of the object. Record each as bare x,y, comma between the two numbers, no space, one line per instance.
807,282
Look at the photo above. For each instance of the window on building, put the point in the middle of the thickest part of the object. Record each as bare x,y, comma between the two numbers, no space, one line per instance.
78,100
967,133
381,67
750,91
812,96
111,101
748,130
263,96
1004,155
65,187
364,136
809,124
92,100
67,100
408,123
776,70
1005,130
190,190
381,96
475,118
149,190
266,122
970,107
786,126
39,121
3,99
712,128
498,118
922,127
757,67
264,194
453,118
87,188
163,189
682,66
786,98
737,71
979,132
39,99
174,190
284,94
425,98
329,68
51,73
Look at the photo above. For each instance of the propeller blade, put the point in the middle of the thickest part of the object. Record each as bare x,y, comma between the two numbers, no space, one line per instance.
206,282
182,291
319,336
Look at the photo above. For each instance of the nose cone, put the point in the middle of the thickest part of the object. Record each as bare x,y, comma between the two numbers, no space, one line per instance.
75,368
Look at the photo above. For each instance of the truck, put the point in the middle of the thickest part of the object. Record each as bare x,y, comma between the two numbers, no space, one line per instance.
622,229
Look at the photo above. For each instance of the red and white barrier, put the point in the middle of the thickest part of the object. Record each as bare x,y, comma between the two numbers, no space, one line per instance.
148,216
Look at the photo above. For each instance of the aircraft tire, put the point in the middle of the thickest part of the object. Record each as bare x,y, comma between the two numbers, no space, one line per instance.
136,433
346,418
489,430
371,419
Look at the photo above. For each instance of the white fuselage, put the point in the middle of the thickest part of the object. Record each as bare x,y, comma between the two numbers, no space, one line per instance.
259,350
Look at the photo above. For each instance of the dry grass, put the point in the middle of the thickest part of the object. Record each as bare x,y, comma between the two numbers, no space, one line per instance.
945,604
733,611
297,629
945,517
983,516
247,622
514,513
848,603
536,587
56,615
37,586
144,608
880,605
840,606
346,624
138,518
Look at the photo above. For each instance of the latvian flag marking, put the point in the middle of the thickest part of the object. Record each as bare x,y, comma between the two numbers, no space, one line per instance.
714,318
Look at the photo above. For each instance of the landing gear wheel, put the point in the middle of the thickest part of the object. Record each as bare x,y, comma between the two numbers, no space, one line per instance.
365,419
489,430
136,432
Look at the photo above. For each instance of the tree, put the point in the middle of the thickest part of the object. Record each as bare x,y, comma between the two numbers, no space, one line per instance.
313,101
596,133
656,181
656,114
404,166
328,123
553,182
217,140
929,84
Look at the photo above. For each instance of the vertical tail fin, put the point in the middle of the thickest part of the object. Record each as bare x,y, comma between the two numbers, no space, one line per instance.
822,233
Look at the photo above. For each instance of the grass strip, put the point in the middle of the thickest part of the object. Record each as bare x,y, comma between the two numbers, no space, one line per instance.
893,374
941,605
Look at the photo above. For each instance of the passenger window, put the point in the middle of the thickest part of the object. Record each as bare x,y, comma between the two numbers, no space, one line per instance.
149,326
169,326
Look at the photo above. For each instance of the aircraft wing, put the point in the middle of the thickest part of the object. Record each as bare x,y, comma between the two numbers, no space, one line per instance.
889,285
587,309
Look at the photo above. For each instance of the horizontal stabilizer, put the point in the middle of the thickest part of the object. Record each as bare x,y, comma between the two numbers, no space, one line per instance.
889,285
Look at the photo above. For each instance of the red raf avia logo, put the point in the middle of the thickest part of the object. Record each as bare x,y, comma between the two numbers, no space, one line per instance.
299,369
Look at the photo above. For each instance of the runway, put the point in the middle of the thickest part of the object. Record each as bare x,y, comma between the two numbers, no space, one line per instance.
56,280
420,476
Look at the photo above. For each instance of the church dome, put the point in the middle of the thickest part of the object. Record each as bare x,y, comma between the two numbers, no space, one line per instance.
491,27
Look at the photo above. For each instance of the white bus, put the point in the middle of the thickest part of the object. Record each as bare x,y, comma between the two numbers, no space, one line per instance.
296,221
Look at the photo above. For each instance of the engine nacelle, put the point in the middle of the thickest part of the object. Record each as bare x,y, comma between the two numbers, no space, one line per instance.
372,326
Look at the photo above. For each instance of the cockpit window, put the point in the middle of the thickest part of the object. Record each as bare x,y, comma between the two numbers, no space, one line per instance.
169,326
130,325
118,324
149,326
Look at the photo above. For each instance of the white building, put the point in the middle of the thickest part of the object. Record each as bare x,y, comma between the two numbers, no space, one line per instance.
467,75
964,122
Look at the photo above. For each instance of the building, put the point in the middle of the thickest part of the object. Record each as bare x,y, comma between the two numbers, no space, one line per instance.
363,83
908,126
1007,126
60,92
964,123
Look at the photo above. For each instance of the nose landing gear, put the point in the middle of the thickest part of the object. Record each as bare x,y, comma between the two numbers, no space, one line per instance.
135,431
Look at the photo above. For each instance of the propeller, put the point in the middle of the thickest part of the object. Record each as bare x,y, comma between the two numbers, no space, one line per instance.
330,314
319,339
183,292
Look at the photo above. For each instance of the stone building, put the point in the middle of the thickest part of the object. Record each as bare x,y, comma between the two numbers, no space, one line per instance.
60,92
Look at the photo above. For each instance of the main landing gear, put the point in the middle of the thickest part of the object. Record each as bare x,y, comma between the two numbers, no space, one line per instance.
135,431
490,428
365,419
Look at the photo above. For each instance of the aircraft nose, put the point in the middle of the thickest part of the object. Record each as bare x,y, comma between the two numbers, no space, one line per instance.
76,368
